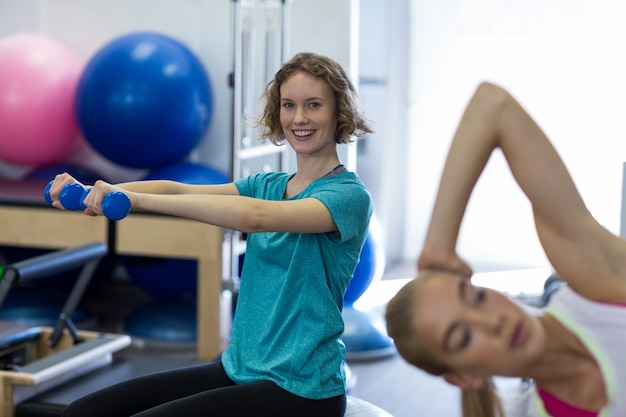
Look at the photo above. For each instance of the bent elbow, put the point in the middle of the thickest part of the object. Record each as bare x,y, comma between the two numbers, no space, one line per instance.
492,94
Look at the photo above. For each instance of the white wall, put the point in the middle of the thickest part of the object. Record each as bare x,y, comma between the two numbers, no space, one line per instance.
564,61
205,26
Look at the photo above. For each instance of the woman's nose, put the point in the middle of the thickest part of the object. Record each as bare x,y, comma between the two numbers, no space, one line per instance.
300,116
491,322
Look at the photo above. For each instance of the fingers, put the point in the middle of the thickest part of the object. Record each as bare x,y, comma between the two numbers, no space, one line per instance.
93,200
447,261
59,182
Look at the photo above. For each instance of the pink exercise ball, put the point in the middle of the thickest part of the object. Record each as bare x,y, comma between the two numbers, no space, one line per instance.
38,79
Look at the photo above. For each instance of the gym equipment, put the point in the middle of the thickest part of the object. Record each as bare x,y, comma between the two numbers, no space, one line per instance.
37,358
365,336
144,100
49,264
260,41
25,219
37,121
371,264
115,206
60,283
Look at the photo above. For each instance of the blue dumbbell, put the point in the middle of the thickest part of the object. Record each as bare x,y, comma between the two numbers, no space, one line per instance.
115,206
71,196
46,193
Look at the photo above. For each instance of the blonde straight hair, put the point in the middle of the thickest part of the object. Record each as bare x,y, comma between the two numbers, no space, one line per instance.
483,402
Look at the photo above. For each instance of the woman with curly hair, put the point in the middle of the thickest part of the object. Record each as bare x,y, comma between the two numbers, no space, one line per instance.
305,231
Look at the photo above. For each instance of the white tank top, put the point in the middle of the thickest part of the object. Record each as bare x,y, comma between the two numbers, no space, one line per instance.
602,329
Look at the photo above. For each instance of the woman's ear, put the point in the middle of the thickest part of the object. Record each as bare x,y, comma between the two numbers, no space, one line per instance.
464,381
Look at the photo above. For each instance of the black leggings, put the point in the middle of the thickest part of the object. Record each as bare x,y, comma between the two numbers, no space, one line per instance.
200,390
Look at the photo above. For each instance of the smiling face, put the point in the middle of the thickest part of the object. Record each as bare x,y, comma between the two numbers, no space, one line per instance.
468,329
307,114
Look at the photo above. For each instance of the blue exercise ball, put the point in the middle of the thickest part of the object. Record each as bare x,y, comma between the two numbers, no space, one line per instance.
371,264
144,100
365,336
163,278
34,306
164,324
189,173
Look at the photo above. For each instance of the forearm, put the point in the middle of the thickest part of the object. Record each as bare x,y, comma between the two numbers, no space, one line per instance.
152,187
472,145
164,187
227,211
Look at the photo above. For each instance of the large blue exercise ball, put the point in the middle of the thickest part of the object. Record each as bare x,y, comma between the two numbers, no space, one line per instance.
144,100
163,278
364,335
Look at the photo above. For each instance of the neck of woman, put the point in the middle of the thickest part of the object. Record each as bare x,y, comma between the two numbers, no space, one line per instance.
565,367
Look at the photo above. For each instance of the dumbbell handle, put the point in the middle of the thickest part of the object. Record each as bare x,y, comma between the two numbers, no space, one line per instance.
115,206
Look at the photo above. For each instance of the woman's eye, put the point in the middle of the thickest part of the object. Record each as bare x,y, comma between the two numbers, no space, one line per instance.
287,105
314,105
480,296
466,338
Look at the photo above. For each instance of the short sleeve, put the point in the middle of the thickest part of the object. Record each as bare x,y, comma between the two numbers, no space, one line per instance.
349,204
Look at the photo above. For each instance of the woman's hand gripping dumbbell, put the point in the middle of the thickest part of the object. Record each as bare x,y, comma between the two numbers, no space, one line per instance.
115,205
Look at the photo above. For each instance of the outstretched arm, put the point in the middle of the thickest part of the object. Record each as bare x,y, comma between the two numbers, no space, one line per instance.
236,212
587,256
148,187
219,205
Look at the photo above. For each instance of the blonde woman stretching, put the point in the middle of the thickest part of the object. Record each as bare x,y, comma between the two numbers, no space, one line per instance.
574,351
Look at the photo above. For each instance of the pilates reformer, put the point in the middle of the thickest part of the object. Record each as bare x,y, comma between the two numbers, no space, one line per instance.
36,358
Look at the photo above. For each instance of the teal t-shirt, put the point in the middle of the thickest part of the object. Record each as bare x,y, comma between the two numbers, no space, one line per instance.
288,322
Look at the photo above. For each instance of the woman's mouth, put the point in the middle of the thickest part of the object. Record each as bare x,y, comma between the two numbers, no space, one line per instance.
303,134
520,335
